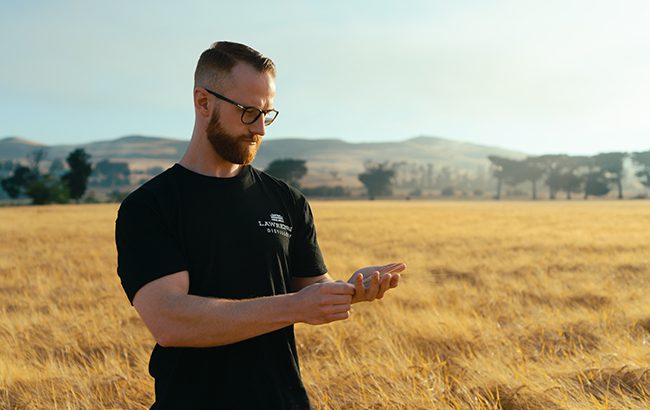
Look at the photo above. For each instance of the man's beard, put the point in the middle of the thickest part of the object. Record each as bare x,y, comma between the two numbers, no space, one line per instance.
234,149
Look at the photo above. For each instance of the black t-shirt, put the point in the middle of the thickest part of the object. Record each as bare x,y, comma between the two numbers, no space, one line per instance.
240,237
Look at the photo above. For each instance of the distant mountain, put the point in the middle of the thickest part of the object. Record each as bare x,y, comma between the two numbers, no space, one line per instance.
436,150
325,157
125,148
16,147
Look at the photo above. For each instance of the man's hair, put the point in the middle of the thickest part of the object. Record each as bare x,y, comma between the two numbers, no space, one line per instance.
217,62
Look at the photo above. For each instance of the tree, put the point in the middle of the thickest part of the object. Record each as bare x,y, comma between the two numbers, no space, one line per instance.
443,179
563,173
570,183
18,183
532,170
498,164
575,170
596,184
289,170
47,189
111,174
35,159
611,163
378,179
42,189
506,170
553,168
80,169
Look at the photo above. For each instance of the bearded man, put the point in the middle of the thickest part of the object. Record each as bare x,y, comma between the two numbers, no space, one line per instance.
220,260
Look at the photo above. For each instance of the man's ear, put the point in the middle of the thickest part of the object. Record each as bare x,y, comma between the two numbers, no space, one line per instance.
202,102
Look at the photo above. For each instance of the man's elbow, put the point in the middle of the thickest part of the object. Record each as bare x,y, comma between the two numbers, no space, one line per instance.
169,331
174,334
165,331
166,339
158,315
180,339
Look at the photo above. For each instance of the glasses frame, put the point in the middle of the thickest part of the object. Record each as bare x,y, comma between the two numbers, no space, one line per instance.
247,108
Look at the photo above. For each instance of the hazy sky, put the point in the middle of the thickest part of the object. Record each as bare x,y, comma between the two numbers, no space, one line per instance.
536,76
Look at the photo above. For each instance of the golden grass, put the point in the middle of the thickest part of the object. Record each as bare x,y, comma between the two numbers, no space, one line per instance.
504,305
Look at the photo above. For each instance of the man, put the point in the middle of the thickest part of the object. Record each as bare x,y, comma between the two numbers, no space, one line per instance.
220,259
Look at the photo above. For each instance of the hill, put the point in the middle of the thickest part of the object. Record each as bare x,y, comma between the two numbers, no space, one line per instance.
17,147
325,157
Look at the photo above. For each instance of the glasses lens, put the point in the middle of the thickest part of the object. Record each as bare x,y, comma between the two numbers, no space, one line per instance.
250,115
270,117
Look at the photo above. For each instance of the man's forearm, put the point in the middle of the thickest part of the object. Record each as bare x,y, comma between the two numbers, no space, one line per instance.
196,321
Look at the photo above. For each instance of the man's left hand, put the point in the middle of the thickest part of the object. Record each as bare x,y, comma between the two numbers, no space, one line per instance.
372,282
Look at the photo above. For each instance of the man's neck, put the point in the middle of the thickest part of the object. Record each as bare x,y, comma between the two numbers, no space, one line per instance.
202,159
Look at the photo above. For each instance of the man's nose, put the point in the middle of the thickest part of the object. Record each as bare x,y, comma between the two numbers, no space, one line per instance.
258,127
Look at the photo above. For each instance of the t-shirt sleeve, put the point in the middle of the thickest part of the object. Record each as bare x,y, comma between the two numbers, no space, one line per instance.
146,247
306,256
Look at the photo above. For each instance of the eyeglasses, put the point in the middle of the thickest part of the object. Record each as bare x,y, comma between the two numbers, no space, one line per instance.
249,114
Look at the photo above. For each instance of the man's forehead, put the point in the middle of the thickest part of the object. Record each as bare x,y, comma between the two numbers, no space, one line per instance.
245,76
248,86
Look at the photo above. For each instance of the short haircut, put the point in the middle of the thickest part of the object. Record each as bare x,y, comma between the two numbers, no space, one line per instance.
217,62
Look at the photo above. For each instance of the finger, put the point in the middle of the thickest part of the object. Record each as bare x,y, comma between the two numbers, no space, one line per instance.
359,289
393,267
398,267
367,280
359,286
338,316
372,291
394,280
384,285
334,309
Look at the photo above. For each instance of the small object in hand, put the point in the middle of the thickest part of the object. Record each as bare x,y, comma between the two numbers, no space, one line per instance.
367,280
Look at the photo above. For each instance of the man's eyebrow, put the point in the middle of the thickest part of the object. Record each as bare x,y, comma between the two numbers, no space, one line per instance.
266,107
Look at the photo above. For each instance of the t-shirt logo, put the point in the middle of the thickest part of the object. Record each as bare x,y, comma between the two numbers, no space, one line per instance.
276,225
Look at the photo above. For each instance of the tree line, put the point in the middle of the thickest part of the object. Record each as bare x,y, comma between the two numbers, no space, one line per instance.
585,175
46,188
377,178
61,183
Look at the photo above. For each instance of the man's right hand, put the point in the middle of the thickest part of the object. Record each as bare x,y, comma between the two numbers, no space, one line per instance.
324,302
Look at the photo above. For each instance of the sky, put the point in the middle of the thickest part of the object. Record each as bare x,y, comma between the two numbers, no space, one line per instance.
543,76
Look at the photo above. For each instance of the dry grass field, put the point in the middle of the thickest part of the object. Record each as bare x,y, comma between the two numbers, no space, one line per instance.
513,305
